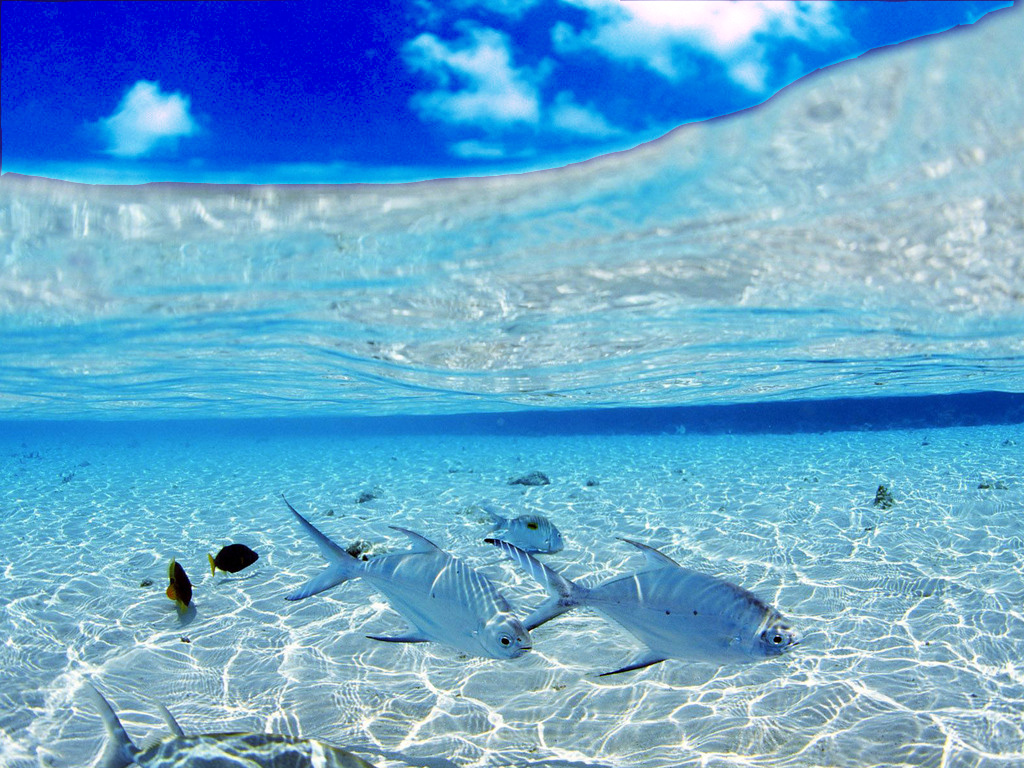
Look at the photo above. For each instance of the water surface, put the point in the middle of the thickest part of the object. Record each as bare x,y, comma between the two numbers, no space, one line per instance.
859,234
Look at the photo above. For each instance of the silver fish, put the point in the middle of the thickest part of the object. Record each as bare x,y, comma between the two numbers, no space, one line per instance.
677,613
443,599
259,750
531,533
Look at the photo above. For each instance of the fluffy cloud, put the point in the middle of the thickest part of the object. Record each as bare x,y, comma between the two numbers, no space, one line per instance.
569,117
477,150
145,119
655,34
478,83
479,86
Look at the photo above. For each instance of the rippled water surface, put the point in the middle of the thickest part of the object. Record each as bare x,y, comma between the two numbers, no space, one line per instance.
860,231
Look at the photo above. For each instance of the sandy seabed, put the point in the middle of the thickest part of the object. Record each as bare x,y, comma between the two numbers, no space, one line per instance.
912,616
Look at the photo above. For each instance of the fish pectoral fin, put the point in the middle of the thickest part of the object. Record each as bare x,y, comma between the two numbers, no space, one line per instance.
412,637
641,661
549,609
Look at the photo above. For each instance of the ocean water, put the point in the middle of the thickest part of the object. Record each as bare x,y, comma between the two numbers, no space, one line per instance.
720,344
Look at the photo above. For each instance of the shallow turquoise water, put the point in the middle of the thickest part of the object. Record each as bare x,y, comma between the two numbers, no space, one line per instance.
911,615
857,239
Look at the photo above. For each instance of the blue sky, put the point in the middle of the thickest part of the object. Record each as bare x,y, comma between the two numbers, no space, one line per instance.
334,92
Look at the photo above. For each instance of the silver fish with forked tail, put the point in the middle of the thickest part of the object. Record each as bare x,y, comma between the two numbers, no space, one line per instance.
531,533
677,613
443,599
257,750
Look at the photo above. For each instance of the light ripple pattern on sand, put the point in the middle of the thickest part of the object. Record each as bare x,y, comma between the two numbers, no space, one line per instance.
913,615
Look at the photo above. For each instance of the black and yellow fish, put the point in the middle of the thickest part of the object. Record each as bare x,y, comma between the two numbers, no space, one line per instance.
232,559
180,588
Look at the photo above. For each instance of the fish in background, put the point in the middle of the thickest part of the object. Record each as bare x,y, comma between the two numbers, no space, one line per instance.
674,611
180,588
232,559
531,533
443,599
257,750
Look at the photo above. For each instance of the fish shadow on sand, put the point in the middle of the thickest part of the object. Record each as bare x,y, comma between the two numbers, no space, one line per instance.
442,762
230,578
186,616
405,760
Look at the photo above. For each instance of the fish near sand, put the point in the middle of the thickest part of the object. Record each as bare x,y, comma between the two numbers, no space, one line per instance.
232,559
443,599
257,750
531,533
180,588
674,611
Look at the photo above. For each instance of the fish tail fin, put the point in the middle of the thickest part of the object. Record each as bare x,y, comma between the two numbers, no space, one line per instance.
213,565
564,594
120,751
332,576
341,565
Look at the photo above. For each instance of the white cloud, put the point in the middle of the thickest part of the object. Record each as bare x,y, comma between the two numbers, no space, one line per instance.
479,86
751,74
477,150
478,83
569,117
655,33
145,119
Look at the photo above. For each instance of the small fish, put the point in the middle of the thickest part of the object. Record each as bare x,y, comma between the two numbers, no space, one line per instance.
258,750
677,613
443,599
232,559
180,588
531,533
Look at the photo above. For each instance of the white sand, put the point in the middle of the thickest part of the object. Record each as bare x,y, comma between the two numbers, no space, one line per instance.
912,616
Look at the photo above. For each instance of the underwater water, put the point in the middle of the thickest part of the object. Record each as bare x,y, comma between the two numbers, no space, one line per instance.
720,345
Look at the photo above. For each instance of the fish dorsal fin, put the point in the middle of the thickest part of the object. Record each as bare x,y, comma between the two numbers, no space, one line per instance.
120,751
497,519
654,558
419,543
172,724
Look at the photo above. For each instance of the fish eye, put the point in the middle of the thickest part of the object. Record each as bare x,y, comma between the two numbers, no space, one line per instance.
506,640
777,639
